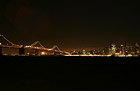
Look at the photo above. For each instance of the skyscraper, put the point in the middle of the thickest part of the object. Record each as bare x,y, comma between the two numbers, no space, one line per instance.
113,49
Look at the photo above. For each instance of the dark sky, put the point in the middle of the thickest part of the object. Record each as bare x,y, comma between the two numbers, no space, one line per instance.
70,24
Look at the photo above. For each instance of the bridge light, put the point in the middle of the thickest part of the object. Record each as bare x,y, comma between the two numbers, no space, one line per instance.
42,53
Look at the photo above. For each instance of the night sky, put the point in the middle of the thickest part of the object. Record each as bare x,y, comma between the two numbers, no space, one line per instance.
70,24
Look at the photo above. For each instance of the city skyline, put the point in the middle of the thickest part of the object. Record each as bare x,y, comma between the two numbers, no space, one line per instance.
9,48
5,41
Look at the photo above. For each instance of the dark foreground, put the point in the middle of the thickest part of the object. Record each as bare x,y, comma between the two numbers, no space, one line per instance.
69,74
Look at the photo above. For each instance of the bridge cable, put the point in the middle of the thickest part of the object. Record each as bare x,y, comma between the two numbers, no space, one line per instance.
7,39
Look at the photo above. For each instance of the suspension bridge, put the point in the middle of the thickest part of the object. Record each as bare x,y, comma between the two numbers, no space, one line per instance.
37,46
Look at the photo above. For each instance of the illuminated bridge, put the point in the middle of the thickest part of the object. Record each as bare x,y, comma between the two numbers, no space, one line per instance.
38,48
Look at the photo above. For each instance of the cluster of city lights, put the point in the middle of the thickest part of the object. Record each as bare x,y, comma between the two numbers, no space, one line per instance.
127,50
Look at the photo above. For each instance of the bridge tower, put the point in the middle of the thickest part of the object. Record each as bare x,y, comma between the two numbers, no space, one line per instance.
39,45
1,50
22,51
36,52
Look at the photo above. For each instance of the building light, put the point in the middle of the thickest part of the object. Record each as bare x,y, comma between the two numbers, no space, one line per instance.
117,53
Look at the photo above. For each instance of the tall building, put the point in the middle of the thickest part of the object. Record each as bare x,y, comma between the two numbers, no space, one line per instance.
122,50
106,50
132,49
113,49
109,51
126,49
137,49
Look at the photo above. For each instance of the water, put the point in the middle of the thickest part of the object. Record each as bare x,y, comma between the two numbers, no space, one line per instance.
69,74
